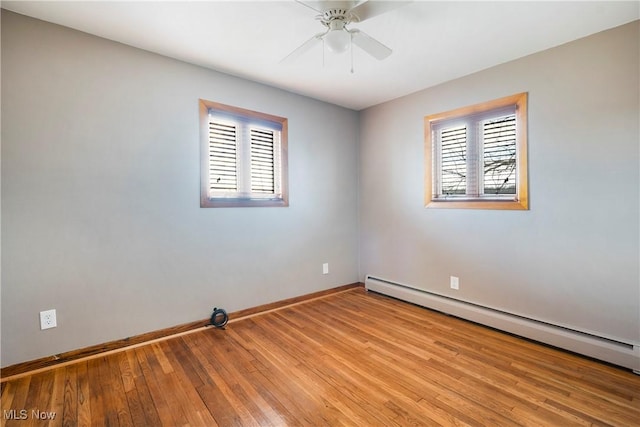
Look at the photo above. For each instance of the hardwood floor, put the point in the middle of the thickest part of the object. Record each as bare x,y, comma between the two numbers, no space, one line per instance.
352,358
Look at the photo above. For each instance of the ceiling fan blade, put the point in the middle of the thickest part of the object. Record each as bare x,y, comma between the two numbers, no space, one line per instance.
370,45
321,5
304,47
313,5
369,9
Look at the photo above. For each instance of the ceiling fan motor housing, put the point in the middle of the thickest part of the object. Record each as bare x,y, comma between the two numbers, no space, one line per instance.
332,17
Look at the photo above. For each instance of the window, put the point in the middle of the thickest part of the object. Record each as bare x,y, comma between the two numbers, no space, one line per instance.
476,157
244,157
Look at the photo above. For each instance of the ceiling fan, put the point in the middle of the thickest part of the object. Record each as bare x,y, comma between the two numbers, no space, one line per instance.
335,16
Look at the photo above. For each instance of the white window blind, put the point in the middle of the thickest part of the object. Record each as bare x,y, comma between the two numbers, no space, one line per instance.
476,156
244,158
499,155
453,160
263,161
223,151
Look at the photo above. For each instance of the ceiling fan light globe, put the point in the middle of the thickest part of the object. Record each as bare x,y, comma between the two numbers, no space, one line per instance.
337,41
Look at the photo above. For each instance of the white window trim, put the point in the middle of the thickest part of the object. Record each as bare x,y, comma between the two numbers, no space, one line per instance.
472,116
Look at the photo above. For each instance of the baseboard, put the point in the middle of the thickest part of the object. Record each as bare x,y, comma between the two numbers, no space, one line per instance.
57,360
616,352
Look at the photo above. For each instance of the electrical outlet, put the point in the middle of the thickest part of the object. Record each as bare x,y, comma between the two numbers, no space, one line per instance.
325,268
48,319
454,282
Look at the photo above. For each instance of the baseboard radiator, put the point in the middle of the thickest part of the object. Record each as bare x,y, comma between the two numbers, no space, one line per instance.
618,353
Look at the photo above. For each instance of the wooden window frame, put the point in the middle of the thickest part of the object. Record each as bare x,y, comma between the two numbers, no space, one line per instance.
521,201
221,202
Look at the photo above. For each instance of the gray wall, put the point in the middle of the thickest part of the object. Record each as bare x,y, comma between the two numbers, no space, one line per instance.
573,258
100,195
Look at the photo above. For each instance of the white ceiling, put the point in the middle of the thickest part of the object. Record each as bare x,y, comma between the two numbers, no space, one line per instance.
432,42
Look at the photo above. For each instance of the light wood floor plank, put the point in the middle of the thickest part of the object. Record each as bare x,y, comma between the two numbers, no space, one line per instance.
347,359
